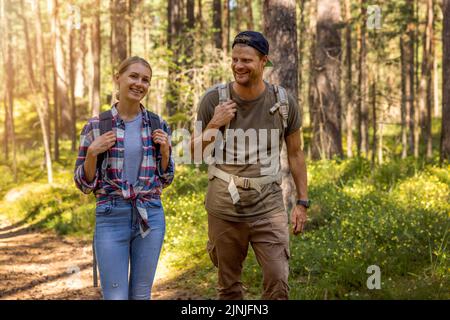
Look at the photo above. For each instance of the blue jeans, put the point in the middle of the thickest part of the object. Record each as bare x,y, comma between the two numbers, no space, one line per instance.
119,245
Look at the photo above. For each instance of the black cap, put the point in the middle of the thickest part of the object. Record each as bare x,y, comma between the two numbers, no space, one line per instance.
255,40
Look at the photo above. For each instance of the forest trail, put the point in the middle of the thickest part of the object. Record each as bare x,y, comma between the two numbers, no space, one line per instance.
41,265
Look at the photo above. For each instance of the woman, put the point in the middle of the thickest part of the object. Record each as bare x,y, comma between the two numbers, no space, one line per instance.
137,165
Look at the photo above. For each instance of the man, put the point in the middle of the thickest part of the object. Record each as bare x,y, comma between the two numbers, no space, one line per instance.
244,198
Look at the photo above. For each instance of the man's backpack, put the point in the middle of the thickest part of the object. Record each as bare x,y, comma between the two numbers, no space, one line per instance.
105,125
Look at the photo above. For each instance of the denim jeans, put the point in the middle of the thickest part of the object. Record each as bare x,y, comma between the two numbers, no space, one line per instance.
119,247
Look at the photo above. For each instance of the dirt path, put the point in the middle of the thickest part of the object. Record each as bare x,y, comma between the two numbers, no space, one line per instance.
36,264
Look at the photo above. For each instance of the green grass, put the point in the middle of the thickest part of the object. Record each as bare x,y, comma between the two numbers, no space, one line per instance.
395,216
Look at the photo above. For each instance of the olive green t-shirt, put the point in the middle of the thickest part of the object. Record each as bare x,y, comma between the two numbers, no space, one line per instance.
253,151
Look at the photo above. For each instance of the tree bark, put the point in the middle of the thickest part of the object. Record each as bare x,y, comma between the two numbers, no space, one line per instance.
62,84
248,15
363,113
226,26
445,133
326,94
119,39
96,60
217,23
72,60
404,102
38,86
174,16
8,65
301,48
410,56
348,79
280,28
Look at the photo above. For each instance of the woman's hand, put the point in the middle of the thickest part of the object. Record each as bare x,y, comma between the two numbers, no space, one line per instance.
102,143
162,138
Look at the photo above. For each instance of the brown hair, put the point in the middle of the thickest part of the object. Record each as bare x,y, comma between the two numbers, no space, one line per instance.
128,62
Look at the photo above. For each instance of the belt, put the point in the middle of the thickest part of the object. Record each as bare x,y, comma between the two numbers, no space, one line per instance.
242,182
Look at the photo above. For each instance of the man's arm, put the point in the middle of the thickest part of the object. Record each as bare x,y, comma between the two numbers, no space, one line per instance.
297,166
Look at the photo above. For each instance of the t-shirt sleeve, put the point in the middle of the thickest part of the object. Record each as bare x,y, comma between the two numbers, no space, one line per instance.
206,107
294,118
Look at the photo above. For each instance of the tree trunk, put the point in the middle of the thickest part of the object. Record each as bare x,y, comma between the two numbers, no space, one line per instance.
119,42
404,102
301,48
226,26
280,27
174,16
248,15
311,66
238,15
363,113
72,61
424,93
6,129
410,54
63,102
8,65
132,6
374,120
445,133
40,90
80,79
189,34
435,80
217,23
327,105
427,67
348,79
95,58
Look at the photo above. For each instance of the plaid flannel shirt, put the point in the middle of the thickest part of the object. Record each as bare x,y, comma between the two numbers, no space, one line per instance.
108,185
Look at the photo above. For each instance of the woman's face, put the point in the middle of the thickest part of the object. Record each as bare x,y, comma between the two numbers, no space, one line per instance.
134,82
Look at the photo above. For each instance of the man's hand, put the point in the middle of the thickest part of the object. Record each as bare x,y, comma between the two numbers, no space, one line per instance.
298,219
102,143
223,113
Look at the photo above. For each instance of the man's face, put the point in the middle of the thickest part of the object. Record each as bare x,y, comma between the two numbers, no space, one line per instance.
247,65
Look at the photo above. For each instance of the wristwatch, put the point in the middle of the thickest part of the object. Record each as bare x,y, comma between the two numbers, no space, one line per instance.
305,203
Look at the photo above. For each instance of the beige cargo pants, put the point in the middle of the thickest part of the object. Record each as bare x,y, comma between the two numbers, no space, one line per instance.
228,246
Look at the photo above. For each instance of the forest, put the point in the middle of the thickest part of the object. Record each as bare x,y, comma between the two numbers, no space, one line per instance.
372,81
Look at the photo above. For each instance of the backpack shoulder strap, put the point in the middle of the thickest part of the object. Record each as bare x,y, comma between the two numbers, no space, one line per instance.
105,125
224,95
224,92
282,104
155,124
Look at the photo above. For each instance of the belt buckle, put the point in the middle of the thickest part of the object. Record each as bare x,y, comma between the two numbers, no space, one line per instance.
246,183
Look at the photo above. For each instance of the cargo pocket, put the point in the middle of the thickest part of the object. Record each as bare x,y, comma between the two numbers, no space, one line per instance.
287,253
212,253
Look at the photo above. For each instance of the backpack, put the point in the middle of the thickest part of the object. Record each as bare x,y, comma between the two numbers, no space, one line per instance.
105,125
